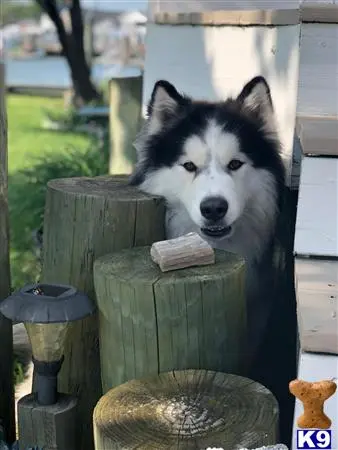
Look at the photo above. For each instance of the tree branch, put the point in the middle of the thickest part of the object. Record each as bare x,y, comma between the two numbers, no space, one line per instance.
77,24
49,6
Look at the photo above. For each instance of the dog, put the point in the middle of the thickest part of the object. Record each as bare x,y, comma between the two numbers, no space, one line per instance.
218,165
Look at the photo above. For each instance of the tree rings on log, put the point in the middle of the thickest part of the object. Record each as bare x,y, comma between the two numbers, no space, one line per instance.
192,409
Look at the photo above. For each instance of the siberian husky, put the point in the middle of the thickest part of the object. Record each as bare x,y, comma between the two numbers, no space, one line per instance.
219,167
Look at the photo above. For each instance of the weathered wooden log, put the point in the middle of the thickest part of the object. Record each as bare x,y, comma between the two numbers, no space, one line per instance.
186,410
185,251
152,321
7,419
86,218
48,427
125,94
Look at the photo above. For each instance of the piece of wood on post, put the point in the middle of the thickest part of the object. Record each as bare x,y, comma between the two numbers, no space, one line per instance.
185,251
152,321
186,410
7,417
125,99
48,427
86,218
208,38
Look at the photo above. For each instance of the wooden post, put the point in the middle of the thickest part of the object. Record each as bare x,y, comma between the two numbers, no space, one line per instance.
85,218
48,427
151,321
125,93
186,410
7,419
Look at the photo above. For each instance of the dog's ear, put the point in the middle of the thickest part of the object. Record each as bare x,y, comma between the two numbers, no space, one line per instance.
256,99
165,104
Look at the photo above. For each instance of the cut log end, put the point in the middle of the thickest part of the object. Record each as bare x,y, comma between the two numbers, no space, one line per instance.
186,410
185,251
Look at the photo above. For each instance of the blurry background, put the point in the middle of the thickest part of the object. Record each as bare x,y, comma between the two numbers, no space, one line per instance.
59,56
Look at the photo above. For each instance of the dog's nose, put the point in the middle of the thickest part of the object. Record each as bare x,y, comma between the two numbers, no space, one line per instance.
214,208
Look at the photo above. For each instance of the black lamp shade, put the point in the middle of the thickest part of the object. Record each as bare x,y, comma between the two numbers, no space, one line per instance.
47,303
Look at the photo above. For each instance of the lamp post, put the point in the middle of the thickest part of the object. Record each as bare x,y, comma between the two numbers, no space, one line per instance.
47,311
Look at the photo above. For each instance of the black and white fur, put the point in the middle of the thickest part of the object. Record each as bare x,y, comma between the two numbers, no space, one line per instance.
212,136
219,167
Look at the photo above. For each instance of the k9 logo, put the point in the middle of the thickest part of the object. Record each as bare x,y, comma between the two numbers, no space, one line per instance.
313,439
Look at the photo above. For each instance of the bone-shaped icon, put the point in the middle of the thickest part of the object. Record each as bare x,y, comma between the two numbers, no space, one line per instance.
313,396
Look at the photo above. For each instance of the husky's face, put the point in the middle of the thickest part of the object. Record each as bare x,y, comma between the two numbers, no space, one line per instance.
217,160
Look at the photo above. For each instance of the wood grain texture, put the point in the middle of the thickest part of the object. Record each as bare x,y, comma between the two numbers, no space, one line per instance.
185,251
317,216
152,322
317,304
6,347
86,218
125,118
48,427
192,409
231,17
318,135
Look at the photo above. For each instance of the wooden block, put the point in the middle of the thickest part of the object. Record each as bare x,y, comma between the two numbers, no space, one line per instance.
316,224
185,251
191,409
317,304
152,322
48,427
318,135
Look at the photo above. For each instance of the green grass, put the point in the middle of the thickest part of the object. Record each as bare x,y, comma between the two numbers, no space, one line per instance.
26,138
35,156
28,145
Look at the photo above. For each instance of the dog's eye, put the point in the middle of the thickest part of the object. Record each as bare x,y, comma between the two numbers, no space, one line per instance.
190,166
235,164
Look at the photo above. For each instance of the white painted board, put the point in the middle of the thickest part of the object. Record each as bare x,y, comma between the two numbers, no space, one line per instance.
315,367
215,62
317,304
157,6
318,71
317,214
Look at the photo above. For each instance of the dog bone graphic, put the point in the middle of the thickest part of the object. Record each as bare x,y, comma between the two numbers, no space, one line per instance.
313,396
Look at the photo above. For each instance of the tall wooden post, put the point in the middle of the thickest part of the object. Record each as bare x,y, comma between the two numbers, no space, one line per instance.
86,218
125,98
6,347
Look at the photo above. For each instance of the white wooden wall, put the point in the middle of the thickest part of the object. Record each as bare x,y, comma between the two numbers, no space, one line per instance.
215,62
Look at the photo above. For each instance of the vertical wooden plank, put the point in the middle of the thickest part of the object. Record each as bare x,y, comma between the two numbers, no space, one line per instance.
6,347
125,98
